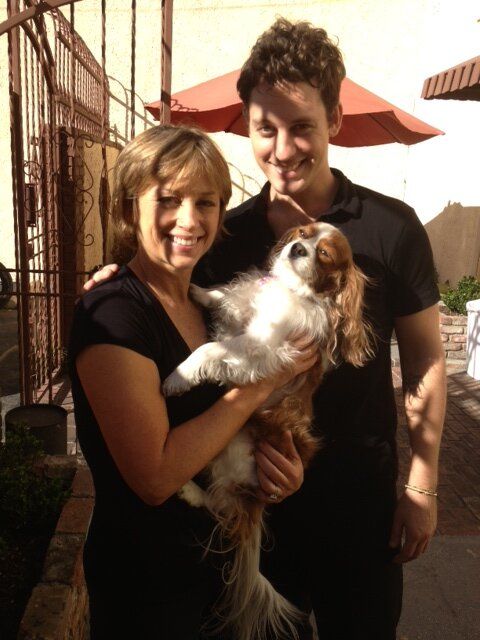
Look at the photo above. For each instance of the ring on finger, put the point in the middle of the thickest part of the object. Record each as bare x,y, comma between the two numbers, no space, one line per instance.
276,494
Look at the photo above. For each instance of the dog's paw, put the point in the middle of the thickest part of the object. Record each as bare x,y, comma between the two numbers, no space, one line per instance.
199,294
205,297
192,494
175,384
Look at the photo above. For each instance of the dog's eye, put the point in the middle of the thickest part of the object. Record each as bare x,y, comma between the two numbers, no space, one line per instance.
302,233
323,252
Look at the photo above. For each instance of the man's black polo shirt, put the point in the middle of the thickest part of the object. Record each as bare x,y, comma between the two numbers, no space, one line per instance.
391,247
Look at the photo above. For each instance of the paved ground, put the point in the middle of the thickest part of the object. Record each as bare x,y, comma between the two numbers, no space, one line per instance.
442,589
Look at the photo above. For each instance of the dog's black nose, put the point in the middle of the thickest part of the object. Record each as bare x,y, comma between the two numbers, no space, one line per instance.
298,250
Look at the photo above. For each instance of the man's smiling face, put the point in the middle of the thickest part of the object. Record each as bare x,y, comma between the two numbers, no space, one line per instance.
290,130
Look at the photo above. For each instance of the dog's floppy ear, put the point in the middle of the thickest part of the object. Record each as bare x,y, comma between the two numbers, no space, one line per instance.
356,336
352,338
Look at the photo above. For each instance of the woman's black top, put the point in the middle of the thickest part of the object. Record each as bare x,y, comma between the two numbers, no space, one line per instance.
145,551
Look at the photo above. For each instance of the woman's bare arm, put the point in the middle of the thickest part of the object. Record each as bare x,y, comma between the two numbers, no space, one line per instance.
124,391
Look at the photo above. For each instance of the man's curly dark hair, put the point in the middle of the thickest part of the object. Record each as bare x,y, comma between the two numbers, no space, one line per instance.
294,52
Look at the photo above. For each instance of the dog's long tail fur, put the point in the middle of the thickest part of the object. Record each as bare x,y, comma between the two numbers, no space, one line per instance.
250,606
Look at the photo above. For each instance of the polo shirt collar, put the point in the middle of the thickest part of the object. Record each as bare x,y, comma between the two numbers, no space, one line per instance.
346,201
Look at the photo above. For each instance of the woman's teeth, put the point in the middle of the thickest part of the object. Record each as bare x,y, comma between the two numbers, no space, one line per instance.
183,241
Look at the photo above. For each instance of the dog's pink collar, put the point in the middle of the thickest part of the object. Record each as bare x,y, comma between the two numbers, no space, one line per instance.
265,279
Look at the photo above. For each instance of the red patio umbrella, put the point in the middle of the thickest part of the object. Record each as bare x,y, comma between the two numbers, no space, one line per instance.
368,119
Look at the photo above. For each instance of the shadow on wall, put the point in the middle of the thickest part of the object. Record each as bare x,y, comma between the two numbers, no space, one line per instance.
455,238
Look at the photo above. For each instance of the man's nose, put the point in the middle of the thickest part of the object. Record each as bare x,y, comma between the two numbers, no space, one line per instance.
284,146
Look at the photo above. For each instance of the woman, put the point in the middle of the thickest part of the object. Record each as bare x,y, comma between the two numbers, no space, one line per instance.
143,559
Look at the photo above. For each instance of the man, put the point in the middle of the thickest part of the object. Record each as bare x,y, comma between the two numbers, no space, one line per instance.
338,544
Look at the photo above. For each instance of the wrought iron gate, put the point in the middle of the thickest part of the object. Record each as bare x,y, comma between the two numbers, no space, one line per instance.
61,156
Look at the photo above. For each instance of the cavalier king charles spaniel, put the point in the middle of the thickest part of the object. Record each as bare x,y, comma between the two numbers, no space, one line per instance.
313,288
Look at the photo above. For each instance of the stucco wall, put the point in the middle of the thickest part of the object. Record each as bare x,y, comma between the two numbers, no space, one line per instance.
90,232
389,47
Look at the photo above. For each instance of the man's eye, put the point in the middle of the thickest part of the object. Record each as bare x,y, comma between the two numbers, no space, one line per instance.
302,127
207,204
265,129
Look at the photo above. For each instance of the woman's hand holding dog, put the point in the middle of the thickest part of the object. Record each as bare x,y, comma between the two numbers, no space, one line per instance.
279,469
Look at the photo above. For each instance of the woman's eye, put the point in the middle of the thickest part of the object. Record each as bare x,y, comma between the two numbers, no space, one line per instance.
169,201
207,203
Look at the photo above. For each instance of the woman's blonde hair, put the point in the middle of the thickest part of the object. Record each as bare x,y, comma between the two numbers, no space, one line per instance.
162,154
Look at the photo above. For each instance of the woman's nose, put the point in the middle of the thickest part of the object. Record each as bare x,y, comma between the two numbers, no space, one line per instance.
187,215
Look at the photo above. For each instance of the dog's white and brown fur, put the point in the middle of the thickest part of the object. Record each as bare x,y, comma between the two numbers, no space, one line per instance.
312,288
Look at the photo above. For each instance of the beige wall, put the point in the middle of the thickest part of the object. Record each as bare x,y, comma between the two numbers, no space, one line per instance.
390,47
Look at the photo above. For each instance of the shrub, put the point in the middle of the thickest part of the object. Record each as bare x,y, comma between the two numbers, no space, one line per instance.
456,299
30,504
28,499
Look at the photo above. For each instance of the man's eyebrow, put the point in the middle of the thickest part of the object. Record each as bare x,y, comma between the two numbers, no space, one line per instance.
306,119
303,120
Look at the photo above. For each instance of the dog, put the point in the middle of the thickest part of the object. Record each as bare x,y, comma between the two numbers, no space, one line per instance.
312,287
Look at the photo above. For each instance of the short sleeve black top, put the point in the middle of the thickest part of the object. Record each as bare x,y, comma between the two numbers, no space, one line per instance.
391,247
152,548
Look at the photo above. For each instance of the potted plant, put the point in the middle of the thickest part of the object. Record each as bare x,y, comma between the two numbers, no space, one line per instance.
453,318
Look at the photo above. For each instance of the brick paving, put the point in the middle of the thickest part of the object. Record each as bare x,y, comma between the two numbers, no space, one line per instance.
459,478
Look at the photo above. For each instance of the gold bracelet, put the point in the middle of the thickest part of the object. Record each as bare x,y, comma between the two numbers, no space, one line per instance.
426,492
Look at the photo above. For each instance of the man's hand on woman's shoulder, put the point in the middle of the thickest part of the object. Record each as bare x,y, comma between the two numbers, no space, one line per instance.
105,273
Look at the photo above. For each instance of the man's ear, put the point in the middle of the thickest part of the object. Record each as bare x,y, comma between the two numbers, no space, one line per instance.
335,120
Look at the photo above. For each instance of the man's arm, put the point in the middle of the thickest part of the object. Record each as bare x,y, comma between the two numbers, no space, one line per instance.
424,387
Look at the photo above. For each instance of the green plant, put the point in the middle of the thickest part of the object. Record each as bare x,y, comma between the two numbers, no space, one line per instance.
30,503
27,498
456,299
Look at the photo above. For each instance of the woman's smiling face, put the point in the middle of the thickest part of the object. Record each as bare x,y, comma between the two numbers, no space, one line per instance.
177,222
